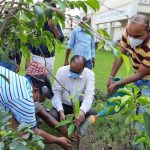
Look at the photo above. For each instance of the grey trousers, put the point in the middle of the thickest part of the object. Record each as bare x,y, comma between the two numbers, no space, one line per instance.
68,110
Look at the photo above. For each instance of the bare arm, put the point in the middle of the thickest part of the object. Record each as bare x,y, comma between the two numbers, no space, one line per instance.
51,121
115,67
62,141
67,57
142,72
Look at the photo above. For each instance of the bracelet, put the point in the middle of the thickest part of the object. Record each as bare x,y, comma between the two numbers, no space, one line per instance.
111,77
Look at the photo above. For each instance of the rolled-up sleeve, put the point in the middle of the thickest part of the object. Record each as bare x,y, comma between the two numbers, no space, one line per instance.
71,41
89,93
57,90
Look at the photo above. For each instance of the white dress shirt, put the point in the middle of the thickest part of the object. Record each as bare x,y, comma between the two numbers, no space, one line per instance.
81,88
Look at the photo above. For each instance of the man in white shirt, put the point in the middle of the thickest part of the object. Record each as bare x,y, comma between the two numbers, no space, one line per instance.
80,83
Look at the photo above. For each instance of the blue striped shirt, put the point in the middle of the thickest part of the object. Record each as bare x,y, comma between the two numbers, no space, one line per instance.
16,97
82,43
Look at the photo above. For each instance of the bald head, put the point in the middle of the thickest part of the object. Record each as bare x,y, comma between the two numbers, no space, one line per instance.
77,63
140,19
138,27
86,19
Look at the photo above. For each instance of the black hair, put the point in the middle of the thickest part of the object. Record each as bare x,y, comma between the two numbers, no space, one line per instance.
51,3
40,81
86,18
77,57
141,19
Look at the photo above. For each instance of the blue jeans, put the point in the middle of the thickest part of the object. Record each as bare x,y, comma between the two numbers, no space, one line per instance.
141,83
89,64
8,65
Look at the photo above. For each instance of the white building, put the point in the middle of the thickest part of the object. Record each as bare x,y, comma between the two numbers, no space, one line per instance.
115,14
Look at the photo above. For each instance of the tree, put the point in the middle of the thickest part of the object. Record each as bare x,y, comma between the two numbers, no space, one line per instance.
21,21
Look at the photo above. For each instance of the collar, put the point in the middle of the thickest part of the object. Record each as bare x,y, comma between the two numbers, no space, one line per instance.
79,28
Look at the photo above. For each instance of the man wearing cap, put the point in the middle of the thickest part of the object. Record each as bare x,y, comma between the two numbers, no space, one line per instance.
18,97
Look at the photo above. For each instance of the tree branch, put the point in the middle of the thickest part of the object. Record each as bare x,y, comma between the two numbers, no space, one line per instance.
6,21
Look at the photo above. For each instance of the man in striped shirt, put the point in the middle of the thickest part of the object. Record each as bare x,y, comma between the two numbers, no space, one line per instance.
136,42
18,94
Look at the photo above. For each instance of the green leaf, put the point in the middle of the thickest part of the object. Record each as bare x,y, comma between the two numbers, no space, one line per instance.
62,5
94,4
40,144
117,108
23,37
25,51
101,45
127,62
104,33
146,118
63,123
71,129
141,139
143,100
125,98
77,107
37,138
16,145
110,109
5,78
125,91
83,6
123,117
70,117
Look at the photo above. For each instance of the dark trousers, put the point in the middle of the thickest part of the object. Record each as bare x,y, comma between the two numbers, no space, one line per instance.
68,110
89,64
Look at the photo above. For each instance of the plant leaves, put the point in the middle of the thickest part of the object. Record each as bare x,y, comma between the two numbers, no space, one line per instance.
127,62
146,117
94,4
77,107
63,123
71,129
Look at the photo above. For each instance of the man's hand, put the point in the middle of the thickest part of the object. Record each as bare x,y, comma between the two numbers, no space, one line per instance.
93,61
110,81
112,88
80,118
65,143
66,63
62,116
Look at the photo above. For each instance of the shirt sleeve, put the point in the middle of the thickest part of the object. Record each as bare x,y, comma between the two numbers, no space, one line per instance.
123,41
60,31
71,41
89,93
57,90
146,61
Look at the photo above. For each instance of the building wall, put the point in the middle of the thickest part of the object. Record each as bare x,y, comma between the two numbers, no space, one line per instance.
115,14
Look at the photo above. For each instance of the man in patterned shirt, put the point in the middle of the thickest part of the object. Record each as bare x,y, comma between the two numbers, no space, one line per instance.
18,97
136,42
